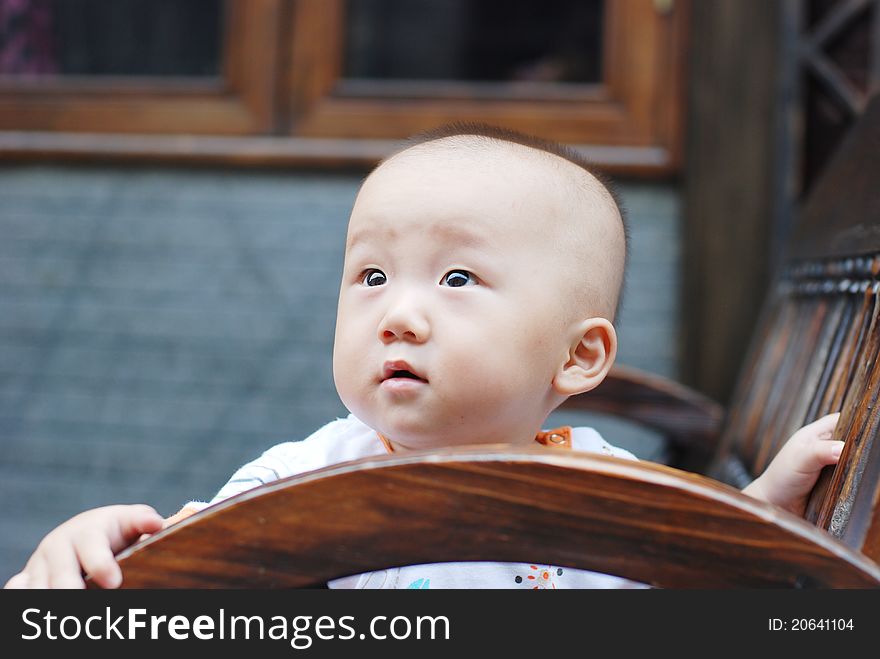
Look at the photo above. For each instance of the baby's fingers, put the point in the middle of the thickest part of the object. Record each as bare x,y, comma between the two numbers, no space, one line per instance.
808,458
18,581
130,523
828,451
63,568
34,575
98,562
823,428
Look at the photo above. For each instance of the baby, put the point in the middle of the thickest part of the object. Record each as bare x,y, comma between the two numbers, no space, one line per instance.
482,274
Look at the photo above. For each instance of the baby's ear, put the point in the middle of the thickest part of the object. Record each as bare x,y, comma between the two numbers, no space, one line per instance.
589,359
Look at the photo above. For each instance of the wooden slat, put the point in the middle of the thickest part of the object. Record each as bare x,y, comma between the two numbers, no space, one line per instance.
244,151
854,422
817,365
834,367
842,379
841,361
756,368
777,425
765,394
646,522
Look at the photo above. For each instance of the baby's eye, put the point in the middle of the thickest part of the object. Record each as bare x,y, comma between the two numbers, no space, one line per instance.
457,278
373,277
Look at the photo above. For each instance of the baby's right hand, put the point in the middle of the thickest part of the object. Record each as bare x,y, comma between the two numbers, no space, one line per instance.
85,544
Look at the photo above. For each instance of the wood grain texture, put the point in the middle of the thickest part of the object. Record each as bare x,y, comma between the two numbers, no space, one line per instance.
635,113
646,522
283,78
239,102
729,185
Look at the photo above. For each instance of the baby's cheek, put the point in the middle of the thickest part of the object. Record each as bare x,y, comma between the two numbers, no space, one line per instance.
351,383
495,381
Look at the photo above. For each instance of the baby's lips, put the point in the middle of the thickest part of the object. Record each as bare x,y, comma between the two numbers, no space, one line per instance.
393,366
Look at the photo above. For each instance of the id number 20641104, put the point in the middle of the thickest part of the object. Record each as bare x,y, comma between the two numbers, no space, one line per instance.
809,624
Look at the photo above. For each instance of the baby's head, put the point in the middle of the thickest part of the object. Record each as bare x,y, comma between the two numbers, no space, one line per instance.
482,272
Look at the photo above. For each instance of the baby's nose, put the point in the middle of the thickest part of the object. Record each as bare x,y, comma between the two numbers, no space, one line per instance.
405,321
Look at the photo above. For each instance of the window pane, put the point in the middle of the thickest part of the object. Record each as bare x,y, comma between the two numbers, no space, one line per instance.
475,40
111,37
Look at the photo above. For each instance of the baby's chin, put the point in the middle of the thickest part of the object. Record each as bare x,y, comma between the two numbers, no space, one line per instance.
417,429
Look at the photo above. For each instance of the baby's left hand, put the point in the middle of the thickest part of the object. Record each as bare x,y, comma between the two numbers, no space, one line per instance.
791,475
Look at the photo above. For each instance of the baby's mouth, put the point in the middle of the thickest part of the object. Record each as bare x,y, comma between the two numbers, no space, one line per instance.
405,374
394,370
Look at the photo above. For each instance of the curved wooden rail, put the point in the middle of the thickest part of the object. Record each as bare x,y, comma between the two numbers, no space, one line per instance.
642,521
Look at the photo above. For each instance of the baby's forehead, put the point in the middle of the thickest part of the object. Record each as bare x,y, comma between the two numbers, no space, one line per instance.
475,175
495,157
476,171
463,168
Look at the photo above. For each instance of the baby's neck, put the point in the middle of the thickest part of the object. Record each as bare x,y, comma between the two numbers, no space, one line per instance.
526,439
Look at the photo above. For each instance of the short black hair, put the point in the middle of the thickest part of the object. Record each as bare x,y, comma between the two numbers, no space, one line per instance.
474,129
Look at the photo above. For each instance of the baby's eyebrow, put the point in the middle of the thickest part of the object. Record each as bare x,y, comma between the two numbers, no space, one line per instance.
371,233
459,234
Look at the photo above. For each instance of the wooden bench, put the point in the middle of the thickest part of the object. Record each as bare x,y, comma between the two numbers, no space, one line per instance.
815,351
